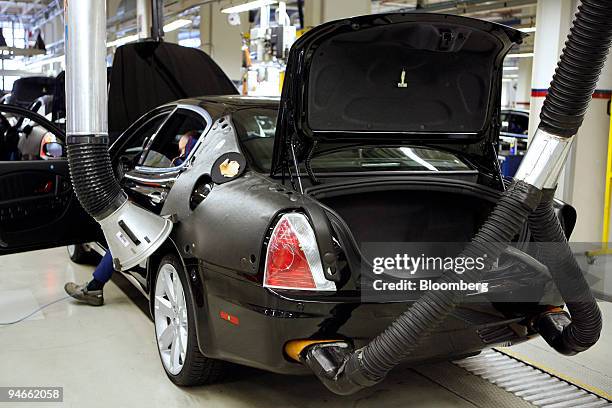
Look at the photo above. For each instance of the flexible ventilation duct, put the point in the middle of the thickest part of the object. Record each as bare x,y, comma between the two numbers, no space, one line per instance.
132,233
345,371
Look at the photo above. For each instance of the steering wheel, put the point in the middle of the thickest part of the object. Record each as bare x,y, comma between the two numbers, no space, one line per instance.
9,138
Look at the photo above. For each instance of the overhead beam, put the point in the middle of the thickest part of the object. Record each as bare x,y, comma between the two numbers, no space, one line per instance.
178,6
14,72
475,6
32,5
22,4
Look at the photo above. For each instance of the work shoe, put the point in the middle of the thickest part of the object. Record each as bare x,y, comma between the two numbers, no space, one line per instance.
82,294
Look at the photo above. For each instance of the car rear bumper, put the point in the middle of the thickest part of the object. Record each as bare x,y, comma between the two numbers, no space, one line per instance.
242,322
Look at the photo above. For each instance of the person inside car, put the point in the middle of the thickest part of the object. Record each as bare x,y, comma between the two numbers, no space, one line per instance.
186,144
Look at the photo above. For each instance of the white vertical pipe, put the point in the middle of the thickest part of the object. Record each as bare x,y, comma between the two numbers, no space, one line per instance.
264,18
85,50
143,18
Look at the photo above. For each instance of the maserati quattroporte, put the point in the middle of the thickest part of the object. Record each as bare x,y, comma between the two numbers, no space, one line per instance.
386,132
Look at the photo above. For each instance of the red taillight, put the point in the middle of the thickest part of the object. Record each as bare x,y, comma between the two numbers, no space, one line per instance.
287,265
292,260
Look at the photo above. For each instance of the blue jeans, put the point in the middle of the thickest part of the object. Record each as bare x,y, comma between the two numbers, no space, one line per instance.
105,269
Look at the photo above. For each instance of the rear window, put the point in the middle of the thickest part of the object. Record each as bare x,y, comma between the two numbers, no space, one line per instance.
387,159
256,128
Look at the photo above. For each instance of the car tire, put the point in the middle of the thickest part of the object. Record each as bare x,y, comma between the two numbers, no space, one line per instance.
79,255
187,366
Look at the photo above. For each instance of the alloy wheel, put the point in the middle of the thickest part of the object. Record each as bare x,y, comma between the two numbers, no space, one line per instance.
170,315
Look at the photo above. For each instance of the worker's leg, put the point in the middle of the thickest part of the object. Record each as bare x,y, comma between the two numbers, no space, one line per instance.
103,273
91,293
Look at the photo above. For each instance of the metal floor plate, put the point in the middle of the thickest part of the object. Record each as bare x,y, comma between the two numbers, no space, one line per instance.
530,383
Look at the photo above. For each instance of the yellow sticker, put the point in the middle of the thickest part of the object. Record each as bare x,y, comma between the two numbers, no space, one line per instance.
229,168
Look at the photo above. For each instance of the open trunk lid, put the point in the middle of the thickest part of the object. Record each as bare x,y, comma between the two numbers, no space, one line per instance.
419,79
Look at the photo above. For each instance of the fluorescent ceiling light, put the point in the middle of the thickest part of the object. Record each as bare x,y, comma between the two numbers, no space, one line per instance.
176,24
252,5
510,76
524,55
123,40
528,30
511,68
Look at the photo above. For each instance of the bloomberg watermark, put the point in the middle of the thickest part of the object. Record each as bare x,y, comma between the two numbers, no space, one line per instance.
404,272
393,270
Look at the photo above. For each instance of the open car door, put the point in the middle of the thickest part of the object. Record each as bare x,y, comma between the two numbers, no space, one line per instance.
38,208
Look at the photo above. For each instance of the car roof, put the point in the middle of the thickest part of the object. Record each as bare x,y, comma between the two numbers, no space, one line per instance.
232,103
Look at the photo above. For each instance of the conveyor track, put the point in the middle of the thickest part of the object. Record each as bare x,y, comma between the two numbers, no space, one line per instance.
530,383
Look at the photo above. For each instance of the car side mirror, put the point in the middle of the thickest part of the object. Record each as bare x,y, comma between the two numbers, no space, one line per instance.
53,150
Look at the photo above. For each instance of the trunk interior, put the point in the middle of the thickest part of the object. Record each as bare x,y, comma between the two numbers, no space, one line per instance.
414,216
417,211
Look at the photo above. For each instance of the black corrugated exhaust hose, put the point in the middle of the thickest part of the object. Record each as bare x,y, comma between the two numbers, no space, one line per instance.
92,174
132,233
567,336
345,372
578,71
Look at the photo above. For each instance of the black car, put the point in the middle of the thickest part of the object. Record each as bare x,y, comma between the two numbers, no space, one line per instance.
27,89
386,132
515,123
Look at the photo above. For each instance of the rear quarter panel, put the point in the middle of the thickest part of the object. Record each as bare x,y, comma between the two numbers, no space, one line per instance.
228,228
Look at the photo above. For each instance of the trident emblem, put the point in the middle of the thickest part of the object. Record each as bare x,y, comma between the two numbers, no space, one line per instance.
403,83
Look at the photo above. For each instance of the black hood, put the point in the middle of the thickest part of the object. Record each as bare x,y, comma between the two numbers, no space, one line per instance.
420,79
150,73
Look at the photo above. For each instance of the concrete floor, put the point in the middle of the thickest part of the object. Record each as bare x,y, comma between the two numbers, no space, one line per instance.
107,356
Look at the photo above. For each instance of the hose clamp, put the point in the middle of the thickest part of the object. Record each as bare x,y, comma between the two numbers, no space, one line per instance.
544,160
88,138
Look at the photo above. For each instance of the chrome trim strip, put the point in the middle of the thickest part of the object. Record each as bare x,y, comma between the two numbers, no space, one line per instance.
377,173
209,122
154,136
135,282
97,248
101,251
166,110
144,180
367,132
